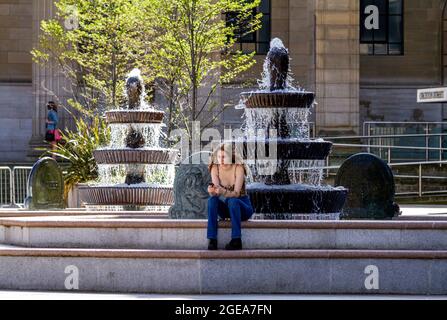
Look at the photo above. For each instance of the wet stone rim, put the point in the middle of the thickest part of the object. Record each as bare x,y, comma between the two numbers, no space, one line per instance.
125,156
283,200
116,196
302,100
125,116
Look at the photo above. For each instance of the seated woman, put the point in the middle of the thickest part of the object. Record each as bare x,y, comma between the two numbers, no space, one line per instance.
228,198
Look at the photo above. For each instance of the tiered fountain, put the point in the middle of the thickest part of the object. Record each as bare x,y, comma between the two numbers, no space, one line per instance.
135,172
277,120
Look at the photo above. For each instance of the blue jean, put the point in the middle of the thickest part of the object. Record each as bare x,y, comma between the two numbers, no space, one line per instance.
237,209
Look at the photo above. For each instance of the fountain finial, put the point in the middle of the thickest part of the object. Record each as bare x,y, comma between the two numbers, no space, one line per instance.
135,89
135,95
278,65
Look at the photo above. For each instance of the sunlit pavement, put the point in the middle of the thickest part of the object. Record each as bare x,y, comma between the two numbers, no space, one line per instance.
28,295
424,210
408,210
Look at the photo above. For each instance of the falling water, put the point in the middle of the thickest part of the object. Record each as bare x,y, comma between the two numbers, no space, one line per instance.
258,121
156,175
150,132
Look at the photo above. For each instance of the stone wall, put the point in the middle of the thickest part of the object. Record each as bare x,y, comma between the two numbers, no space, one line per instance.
389,83
15,121
16,96
337,64
15,40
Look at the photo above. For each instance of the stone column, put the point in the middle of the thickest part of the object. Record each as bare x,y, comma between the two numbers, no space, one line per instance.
337,66
48,83
301,34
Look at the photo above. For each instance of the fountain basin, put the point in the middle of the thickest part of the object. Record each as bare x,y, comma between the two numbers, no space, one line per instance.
278,99
287,149
127,195
131,156
134,116
296,198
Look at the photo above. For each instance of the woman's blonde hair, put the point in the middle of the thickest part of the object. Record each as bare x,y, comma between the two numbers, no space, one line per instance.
236,158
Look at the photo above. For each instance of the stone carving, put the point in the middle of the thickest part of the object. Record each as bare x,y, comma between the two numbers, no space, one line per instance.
45,186
370,182
191,189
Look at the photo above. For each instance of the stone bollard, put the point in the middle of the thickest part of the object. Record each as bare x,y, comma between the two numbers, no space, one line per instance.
370,182
45,190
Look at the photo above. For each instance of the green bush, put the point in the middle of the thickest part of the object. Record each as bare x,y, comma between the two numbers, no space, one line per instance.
77,150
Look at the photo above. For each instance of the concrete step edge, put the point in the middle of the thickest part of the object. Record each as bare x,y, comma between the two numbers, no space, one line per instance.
200,224
14,251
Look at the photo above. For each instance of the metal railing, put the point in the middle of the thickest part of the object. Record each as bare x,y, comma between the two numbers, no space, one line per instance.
6,179
395,127
383,149
405,146
421,191
13,185
427,132
20,184
419,177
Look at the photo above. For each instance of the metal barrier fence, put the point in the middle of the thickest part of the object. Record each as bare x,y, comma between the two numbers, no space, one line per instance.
13,185
6,186
422,188
386,150
20,184
414,134
371,128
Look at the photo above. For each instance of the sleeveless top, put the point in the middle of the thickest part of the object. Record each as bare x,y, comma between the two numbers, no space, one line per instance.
231,187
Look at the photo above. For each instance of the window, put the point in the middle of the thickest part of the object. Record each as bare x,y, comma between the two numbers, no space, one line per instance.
381,27
258,41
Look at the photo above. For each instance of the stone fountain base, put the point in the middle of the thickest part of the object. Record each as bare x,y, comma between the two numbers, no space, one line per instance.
123,196
296,199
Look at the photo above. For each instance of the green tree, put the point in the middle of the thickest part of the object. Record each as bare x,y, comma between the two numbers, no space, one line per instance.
94,44
193,50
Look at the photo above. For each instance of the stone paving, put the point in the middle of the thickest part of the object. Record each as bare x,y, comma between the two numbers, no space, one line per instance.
35,295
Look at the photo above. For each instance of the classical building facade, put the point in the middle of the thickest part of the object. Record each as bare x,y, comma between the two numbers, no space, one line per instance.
364,58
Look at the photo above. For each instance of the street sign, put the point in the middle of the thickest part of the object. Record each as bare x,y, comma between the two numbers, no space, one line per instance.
432,95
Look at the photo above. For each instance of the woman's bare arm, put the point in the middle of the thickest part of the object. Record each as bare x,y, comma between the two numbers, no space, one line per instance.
213,191
215,176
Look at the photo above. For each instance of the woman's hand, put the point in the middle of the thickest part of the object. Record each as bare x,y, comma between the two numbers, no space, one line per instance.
215,191
220,191
211,191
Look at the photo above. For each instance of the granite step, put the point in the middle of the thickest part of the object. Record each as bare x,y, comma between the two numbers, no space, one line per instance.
244,272
124,232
